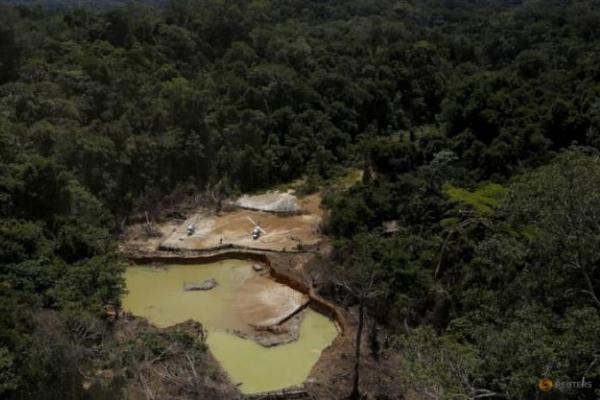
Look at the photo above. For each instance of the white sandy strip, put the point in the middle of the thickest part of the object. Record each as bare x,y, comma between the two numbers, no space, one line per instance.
272,202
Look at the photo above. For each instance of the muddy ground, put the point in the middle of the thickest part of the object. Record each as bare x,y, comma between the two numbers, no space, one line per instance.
332,375
262,303
227,229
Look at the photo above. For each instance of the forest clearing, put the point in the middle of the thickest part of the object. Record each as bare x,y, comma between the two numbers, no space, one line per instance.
282,231
320,199
254,306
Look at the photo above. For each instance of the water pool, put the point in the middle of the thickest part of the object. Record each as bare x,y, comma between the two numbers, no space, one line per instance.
156,293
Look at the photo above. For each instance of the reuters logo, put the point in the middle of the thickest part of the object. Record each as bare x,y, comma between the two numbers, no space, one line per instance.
545,384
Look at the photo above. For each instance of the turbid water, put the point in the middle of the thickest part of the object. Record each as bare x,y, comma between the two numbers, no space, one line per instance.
261,369
156,293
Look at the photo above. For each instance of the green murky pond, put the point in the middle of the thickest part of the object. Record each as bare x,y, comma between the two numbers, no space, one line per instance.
156,293
261,369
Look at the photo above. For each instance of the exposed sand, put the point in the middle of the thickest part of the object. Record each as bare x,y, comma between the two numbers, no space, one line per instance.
262,302
324,382
273,202
280,232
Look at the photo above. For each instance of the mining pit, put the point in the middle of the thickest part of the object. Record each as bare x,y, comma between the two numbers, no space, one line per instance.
266,328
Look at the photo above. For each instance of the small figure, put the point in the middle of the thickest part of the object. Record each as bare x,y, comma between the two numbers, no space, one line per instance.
191,229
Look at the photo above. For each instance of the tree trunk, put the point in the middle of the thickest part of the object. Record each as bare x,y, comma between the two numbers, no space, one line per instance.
355,395
591,290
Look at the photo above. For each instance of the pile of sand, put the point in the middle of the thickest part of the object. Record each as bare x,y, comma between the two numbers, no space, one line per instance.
262,303
272,202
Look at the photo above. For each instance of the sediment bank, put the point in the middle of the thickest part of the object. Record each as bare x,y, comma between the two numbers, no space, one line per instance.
316,302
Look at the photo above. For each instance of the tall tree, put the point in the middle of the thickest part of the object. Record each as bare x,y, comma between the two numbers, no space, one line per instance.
560,201
359,281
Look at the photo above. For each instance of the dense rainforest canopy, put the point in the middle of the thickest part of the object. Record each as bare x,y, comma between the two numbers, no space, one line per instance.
476,123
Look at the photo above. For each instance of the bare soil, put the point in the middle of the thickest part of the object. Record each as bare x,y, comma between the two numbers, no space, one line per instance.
287,232
331,377
277,202
262,303
275,335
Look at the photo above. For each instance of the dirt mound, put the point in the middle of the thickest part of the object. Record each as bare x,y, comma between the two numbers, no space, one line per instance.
272,202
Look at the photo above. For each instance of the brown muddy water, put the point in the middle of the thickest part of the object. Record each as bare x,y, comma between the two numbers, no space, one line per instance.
156,293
